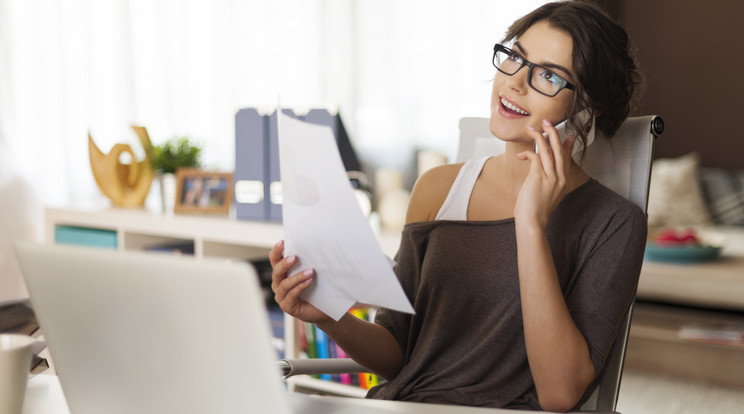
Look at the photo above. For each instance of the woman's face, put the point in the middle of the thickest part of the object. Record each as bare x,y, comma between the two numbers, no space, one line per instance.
544,45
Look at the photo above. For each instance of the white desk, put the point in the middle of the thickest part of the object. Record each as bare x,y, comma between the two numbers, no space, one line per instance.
44,396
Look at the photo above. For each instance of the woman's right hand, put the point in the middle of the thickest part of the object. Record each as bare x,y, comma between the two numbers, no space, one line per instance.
287,289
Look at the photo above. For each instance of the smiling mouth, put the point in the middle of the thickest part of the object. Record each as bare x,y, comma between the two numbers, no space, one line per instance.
510,107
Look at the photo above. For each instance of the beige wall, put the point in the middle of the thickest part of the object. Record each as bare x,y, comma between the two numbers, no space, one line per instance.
692,54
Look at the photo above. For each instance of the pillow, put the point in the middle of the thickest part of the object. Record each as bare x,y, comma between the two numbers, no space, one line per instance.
723,191
675,198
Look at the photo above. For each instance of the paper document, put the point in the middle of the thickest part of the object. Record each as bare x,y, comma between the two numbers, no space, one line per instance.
324,225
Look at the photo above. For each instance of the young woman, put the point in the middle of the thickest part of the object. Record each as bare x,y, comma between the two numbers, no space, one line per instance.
519,266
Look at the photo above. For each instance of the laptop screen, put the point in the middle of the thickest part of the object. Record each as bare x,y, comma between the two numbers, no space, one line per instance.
133,332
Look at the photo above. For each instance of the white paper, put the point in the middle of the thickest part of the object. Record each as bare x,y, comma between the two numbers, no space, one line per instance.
324,225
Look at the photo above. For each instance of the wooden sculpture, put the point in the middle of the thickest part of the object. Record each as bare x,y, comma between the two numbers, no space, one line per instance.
127,185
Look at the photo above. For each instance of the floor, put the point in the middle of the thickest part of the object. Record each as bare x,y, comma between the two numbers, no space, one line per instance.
645,393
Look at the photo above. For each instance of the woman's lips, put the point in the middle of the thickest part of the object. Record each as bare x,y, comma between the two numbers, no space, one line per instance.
509,109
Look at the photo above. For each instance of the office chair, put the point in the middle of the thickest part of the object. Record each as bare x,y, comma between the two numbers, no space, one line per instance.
623,164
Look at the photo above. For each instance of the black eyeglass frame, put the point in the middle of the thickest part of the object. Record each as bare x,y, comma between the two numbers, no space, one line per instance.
498,47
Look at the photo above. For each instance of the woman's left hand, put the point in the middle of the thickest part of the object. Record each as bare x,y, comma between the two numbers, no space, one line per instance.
547,180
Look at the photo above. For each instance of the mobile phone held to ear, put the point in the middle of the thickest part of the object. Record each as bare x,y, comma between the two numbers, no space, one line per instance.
564,131
561,128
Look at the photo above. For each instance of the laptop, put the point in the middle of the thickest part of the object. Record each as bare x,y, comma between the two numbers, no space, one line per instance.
135,332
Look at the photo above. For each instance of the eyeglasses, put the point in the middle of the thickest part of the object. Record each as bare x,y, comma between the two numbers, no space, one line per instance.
542,80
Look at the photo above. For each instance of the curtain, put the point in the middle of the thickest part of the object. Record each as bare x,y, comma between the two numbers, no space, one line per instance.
401,73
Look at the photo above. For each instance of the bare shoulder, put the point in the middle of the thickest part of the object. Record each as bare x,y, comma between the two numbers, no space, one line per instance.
430,191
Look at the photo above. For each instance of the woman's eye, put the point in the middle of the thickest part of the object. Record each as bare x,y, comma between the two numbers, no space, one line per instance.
549,76
515,58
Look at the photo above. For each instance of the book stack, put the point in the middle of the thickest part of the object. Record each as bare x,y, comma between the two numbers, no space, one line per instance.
314,343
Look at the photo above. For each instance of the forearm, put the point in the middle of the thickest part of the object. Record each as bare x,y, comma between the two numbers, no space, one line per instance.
557,351
369,344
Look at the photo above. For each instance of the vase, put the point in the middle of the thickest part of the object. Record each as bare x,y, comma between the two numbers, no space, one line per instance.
168,191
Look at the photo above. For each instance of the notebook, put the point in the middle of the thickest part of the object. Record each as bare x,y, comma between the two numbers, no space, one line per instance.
135,332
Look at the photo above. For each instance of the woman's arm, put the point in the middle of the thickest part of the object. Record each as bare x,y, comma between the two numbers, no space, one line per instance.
369,344
557,352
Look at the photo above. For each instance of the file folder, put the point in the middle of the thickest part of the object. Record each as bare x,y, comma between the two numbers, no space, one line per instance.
258,192
251,165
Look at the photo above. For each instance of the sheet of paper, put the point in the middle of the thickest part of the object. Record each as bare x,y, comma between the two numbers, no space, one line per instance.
324,225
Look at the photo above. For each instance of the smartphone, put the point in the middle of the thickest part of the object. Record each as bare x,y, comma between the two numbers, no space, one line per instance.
564,131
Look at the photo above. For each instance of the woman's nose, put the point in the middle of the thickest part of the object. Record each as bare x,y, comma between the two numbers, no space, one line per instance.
518,81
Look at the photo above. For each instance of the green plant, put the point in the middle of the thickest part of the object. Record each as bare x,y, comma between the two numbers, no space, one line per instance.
173,154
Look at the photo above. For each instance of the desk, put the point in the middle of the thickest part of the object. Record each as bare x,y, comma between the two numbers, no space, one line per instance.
44,396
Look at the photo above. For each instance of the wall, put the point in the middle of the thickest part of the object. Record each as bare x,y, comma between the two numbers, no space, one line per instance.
690,53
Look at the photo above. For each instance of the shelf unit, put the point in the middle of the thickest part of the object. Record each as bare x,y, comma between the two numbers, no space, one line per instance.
212,236
655,344
673,295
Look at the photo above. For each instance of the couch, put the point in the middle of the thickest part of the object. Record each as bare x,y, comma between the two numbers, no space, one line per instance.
710,200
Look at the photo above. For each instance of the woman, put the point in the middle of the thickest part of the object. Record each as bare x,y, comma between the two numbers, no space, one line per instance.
519,266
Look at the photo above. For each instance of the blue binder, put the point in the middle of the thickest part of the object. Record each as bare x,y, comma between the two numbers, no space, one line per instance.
251,165
258,193
325,118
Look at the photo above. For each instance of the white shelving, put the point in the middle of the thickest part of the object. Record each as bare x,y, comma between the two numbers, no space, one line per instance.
213,236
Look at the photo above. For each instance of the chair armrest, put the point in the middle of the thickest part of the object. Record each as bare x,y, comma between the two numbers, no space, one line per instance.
304,366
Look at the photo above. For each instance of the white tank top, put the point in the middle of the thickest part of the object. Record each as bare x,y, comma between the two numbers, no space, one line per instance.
455,206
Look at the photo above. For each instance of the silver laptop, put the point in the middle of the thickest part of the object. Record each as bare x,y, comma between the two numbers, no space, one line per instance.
153,333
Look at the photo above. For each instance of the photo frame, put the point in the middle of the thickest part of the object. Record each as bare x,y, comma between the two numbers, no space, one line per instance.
200,191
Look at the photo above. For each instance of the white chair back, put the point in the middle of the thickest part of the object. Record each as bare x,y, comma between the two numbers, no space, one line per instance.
623,164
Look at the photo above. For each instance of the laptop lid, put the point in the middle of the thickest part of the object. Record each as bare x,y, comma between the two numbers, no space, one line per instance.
135,332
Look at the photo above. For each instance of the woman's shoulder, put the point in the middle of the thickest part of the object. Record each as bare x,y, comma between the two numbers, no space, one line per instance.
601,204
430,191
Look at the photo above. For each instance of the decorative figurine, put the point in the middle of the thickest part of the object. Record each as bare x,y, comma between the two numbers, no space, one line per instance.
127,185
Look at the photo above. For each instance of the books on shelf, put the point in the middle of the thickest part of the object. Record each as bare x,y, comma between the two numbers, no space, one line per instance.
185,247
314,343
84,236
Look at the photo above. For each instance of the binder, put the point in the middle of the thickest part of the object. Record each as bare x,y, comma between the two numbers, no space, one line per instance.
321,117
325,118
251,166
258,191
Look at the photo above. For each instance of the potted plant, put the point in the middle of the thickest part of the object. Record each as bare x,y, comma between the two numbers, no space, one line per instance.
166,158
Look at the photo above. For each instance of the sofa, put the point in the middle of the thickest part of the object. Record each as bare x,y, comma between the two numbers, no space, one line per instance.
708,200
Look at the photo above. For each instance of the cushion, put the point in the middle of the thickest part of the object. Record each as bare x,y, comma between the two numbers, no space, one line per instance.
723,191
675,198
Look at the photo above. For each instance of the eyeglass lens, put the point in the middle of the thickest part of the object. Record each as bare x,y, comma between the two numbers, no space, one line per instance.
542,79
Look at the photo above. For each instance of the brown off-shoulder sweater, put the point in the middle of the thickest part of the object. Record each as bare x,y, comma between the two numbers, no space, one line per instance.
465,344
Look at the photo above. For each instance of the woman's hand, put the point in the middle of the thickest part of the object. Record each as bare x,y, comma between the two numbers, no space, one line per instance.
287,289
547,180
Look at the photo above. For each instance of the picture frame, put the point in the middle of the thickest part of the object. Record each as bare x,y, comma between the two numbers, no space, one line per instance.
199,191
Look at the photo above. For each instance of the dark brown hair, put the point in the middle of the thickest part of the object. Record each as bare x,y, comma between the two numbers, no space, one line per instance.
604,68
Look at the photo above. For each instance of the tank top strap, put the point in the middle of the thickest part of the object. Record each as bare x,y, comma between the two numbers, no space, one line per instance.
455,206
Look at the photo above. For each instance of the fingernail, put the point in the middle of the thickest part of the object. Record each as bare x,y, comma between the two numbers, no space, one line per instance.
307,272
547,123
292,259
530,128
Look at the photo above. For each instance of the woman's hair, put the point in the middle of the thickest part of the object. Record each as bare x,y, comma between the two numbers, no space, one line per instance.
604,68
